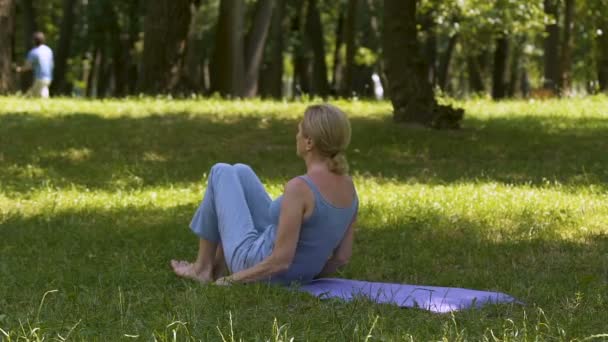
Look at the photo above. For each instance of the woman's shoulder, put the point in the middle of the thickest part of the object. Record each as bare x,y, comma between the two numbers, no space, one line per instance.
297,185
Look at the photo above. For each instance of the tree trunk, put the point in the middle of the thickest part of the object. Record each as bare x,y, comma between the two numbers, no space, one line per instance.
7,23
125,65
165,35
565,71
272,80
377,39
121,59
254,46
411,94
29,23
517,65
135,20
29,27
93,78
336,80
444,63
191,78
551,54
105,74
302,82
499,75
475,74
351,47
314,30
431,53
602,63
228,68
63,47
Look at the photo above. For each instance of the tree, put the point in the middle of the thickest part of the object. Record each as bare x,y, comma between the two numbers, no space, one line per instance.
351,47
271,77
314,31
411,94
602,63
7,23
165,33
29,27
565,66
336,80
302,65
237,59
443,75
254,45
475,69
63,48
551,55
499,75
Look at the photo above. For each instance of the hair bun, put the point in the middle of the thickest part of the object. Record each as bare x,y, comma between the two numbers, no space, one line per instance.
338,163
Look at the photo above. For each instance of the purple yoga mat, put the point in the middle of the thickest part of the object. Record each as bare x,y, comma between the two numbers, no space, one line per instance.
432,298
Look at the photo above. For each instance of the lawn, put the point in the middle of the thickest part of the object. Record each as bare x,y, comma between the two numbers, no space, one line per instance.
96,198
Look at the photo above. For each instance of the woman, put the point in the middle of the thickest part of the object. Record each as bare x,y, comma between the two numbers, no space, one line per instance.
305,233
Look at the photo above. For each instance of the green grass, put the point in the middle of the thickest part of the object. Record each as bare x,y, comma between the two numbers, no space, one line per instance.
96,197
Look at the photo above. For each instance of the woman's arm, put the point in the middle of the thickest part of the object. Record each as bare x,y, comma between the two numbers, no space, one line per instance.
288,233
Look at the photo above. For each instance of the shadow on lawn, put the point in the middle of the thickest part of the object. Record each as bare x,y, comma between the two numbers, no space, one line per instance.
112,153
131,247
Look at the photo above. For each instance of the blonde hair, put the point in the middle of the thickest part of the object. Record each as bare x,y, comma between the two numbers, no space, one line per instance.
329,129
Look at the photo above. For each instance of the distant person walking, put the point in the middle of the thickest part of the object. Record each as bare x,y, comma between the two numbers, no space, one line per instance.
39,59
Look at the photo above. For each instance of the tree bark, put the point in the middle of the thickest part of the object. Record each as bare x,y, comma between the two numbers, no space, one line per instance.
499,75
105,75
93,78
29,27
29,23
336,80
121,58
431,53
271,79
602,63
351,47
551,54
63,47
516,69
565,71
411,94
7,32
314,30
254,45
475,74
165,34
228,68
445,62
191,77
302,82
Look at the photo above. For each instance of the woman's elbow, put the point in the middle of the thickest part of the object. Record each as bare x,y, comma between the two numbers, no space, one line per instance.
341,261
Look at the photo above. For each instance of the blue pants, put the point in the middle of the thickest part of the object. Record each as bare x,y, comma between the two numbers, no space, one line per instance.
235,213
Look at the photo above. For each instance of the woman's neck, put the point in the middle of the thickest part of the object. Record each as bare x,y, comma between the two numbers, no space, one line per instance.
315,163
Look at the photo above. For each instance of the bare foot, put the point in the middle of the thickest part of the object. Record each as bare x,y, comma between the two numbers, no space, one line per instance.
188,270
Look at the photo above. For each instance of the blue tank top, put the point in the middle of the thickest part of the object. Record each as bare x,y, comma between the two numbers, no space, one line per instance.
320,235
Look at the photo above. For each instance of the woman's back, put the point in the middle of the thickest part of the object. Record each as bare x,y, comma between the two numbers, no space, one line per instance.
336,189
322,229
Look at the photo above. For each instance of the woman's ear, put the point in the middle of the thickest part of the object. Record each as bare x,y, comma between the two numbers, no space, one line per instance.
309,144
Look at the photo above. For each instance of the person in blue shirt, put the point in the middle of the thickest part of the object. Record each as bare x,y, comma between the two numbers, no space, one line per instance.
304,234
40,60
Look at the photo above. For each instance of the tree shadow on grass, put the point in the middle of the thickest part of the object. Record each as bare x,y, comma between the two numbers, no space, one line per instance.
130,152
429,249
92,255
